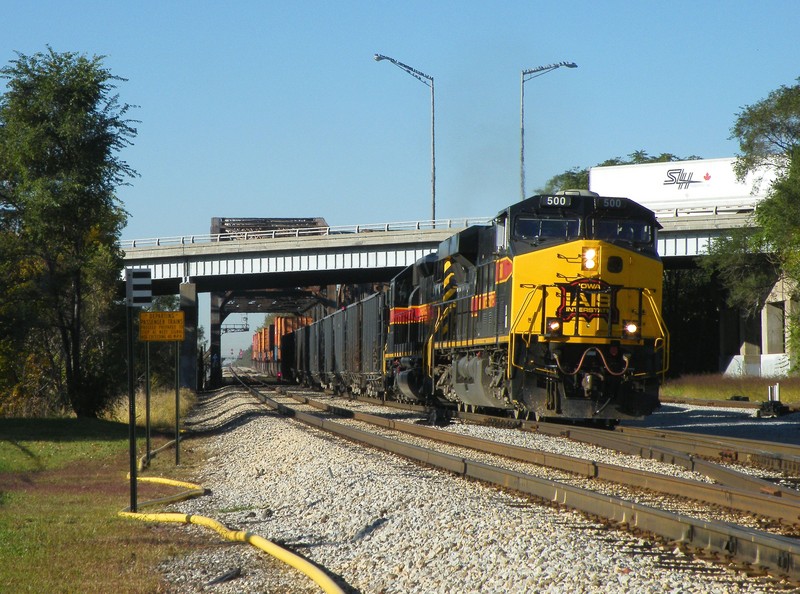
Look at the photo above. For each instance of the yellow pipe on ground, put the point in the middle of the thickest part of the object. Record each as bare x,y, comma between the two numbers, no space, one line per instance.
309,569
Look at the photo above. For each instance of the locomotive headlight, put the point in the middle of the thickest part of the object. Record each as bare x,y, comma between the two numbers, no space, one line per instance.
630,330
554,327
589,258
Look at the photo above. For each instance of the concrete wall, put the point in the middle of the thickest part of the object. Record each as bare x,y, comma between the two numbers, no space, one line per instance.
759,345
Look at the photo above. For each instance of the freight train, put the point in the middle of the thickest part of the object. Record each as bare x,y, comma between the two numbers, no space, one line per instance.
552,311
266,352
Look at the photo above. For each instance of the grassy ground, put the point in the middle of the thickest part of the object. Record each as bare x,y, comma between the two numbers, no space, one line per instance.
62,482
716,387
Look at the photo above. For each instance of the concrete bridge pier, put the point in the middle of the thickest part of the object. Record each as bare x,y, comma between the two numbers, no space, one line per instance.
215,339
758,345
188,359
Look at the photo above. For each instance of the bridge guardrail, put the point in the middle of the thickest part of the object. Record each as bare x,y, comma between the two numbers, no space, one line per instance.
746,207
704,210
303,232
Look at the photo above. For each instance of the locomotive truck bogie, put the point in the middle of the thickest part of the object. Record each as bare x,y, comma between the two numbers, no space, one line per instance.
478,380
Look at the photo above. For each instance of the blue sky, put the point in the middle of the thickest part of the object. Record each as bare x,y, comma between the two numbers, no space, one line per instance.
261,109
277,109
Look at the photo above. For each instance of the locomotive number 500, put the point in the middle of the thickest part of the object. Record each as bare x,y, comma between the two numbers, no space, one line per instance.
556,201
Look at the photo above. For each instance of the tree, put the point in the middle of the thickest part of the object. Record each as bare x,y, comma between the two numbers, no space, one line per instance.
742,264
768,132
572,179
61,128
751,261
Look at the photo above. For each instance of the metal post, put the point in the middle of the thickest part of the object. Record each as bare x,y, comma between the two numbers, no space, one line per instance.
530,73
433,157
148,449
177,402
522,135
131,407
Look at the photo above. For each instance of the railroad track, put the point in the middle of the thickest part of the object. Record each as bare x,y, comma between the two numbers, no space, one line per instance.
731,489
727,539
691,451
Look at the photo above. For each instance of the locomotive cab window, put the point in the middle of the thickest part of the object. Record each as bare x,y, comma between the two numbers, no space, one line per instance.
623,230
538,229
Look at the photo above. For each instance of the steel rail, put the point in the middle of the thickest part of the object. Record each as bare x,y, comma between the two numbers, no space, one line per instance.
677,445
775,455
748,494
777,554
772,454
687,450
682,450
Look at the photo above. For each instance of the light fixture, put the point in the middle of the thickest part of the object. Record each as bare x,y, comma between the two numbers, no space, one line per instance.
427,81
525,76
630,330
589,258
554,327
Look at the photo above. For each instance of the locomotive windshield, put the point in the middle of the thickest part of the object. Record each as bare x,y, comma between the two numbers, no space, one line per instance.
538,229
624,230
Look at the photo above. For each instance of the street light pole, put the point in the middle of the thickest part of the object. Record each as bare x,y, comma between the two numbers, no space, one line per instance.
428,81
525,76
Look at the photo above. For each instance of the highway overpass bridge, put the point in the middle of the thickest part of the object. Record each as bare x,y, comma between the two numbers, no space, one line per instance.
355,254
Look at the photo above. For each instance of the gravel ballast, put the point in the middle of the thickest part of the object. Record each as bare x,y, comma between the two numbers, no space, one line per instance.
385,525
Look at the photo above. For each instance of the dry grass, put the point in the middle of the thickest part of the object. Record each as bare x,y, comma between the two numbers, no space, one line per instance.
162,409
718,387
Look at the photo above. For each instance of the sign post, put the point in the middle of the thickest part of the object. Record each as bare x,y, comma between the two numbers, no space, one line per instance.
166,326
138,293
147,448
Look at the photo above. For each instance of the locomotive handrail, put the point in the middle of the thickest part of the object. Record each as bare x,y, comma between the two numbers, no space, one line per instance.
524,308
429,345
512,333
662,326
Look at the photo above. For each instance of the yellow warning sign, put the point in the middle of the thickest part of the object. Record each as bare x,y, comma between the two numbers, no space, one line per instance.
161,326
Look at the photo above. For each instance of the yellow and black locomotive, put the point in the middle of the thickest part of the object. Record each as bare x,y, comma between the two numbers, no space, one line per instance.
553,310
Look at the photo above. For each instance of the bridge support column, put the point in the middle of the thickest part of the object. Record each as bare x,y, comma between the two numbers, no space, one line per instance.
215,339
188,372
775,322
740,339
